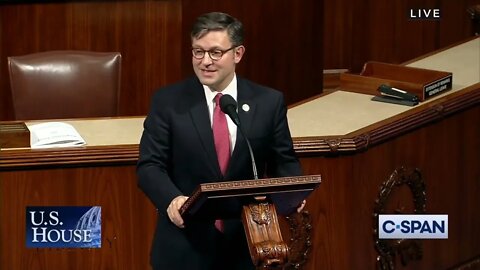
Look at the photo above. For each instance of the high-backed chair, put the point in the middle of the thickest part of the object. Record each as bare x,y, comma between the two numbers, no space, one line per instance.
65,84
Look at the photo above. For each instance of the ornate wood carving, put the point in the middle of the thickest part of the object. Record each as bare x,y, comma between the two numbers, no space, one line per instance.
261,213
438,109
259,216
265,241
407,249
249,188
333,144
300,239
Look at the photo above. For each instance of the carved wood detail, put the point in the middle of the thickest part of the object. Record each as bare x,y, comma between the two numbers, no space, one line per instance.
250,188
407,249
265,241
300,239
259,217
261,213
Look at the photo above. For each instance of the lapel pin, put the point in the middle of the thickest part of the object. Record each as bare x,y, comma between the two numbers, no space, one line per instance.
245,107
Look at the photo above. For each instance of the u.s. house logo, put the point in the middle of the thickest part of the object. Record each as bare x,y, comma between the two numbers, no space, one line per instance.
64,227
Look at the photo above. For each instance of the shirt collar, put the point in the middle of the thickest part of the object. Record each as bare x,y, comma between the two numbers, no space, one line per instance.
231,90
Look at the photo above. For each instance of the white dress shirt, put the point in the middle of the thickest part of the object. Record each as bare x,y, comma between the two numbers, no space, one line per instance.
231,90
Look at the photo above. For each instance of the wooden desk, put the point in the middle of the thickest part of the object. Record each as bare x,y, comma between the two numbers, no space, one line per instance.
354,143
101,173
357,145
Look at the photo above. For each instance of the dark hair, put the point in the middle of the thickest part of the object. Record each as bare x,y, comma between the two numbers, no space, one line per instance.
218,21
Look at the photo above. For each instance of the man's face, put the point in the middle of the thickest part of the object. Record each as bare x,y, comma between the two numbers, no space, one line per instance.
216,74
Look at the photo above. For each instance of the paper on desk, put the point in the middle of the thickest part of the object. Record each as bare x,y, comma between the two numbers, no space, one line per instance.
54,134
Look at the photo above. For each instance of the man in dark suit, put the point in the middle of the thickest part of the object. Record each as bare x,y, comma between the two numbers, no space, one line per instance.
179,150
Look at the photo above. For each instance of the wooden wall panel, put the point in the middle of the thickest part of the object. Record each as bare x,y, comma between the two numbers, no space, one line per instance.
145,32
447,154
284,41
358,31
445,150
288,42
128,217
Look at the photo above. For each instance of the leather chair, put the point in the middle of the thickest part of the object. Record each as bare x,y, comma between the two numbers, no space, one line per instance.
65,84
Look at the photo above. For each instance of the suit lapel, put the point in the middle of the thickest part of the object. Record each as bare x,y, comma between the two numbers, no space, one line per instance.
201,120
246,110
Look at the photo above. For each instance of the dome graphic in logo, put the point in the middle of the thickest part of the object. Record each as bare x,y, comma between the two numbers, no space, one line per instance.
92,221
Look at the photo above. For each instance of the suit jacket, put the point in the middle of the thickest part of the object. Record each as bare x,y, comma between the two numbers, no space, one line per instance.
177,153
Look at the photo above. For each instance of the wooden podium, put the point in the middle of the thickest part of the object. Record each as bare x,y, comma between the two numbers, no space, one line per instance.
260,198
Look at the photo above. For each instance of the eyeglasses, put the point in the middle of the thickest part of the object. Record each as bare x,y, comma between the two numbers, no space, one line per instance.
215,54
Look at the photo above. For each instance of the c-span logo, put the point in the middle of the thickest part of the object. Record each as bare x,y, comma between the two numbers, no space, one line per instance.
64,227
413,226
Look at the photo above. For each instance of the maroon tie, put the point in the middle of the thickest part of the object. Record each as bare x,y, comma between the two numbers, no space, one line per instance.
221,137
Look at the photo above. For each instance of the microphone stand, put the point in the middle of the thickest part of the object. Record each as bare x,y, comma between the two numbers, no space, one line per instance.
254,166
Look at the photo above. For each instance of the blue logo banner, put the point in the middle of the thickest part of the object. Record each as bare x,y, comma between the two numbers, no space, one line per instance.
63,226
413,226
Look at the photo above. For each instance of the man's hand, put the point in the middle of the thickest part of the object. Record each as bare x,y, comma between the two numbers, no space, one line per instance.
173,212
301,206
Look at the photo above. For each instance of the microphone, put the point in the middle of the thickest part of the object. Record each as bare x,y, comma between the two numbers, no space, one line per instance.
228,105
